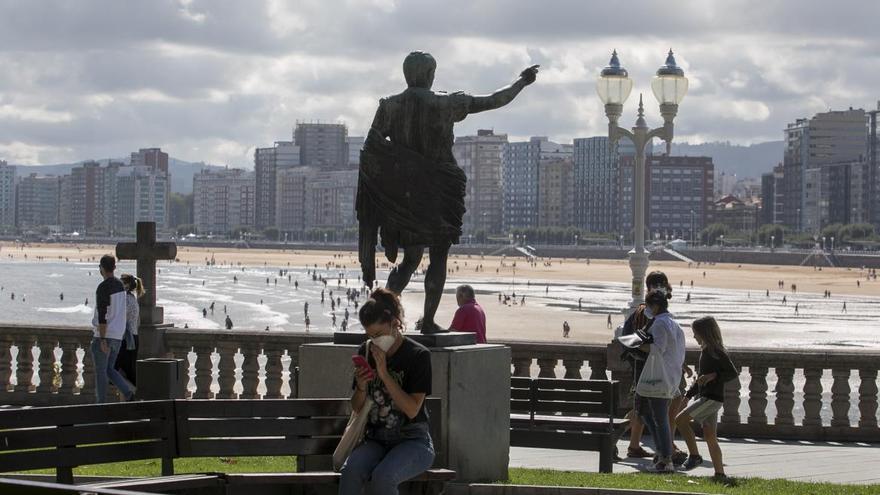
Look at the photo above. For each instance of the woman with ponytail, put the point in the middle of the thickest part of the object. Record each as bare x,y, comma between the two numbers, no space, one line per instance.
397,444
126,362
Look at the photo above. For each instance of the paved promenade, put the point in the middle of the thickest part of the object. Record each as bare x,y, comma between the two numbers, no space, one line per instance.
833,462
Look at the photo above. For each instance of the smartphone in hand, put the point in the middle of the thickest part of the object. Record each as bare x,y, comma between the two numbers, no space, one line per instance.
361,362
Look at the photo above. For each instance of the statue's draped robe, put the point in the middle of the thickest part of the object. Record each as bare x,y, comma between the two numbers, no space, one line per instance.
410,189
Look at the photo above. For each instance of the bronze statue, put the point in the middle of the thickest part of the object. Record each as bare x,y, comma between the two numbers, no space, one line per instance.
411,190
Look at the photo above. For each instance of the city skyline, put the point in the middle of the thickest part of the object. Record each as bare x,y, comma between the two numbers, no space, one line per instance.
211,83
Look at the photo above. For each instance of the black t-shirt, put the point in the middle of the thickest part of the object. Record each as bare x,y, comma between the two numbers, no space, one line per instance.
411,368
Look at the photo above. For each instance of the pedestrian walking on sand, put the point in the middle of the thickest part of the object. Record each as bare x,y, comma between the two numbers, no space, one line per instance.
228,323
566,329
609,321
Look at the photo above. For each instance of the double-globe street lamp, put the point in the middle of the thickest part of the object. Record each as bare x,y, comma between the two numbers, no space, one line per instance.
614,86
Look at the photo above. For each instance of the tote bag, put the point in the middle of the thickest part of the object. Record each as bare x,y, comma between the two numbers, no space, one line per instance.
354,431
655,381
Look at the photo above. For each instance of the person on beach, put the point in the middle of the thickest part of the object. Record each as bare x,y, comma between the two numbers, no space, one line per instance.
714,370
609,321
397,444
469,317
566,329
228,323
109,328
659,382
126,362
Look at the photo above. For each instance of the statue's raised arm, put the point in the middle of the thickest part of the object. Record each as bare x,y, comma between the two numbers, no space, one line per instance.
506,94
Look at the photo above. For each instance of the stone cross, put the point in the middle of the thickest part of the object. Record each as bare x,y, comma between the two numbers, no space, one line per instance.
147,251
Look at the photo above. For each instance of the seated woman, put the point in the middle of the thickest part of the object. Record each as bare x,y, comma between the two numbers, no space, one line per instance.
398,444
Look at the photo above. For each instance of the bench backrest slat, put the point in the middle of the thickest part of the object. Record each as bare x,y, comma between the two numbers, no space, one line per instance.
563,397
33,417
237,408
58,436
266,427
81,456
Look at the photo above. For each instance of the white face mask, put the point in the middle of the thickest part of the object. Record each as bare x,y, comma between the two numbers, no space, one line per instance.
383,342
648,313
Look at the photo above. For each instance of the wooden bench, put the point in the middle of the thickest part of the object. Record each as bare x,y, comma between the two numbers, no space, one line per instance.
67,436
566,414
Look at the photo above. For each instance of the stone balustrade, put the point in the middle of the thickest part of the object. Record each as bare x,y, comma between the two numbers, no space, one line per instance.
61,374
229,364
802,394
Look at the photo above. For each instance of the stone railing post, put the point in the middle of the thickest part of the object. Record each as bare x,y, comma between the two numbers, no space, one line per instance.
25,370
758,395
69,374
5,363
88,366
868,398
250,371
784,396
522,367
46,370
732,400
204,369
840,397
274,371
226,371
812,397
547,368
573,368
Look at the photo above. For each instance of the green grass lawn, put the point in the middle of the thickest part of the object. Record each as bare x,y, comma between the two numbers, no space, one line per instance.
153,467
546,477
682,483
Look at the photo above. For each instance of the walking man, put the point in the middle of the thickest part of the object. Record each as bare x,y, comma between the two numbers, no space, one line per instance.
109,328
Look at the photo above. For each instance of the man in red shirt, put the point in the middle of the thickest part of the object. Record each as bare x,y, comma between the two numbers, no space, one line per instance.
469,317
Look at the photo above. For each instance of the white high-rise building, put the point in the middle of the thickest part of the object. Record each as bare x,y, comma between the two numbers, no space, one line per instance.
223,200
480,158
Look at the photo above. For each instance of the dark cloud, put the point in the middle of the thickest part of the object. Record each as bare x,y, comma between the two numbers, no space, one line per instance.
210,80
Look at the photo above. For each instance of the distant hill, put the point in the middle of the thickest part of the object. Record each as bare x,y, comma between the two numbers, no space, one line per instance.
745,161
181,172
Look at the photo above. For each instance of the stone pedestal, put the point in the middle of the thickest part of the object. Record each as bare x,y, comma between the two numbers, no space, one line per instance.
151,340
473,382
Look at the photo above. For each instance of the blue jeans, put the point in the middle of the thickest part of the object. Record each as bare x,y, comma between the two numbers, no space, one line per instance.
105,369
655,415
377,467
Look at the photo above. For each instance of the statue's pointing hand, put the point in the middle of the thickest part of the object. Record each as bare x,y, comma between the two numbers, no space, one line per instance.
529,75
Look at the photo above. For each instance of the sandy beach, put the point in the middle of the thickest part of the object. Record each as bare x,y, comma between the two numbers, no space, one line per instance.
539,320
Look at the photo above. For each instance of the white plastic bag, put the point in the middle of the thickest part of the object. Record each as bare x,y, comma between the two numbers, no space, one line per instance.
655,381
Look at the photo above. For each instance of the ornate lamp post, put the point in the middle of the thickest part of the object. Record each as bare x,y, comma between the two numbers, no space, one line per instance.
669,87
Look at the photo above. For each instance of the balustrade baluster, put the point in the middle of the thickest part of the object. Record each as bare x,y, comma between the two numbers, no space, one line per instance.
274,370
758,395
573,368
547,368
5,363
868,398
812,397
250,372
784,396
732,400
25,372
88,366
46,370
226,372
840,397
68,366
598,368
522,367
204,368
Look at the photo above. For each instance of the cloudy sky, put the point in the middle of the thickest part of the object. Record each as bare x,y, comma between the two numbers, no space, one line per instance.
212,79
